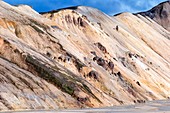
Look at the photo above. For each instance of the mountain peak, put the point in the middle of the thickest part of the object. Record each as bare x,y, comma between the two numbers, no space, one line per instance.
57,10
160,14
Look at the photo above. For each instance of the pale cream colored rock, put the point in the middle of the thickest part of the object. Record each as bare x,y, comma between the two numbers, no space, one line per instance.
43,59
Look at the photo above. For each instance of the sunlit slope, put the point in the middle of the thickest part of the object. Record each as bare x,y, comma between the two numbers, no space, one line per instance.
80,57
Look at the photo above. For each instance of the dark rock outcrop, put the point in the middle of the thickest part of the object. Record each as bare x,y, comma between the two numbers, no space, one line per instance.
160,14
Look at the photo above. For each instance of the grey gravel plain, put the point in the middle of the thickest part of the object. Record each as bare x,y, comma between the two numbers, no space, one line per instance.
160,106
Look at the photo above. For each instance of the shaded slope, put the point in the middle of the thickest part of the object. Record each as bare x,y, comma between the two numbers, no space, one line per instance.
160,14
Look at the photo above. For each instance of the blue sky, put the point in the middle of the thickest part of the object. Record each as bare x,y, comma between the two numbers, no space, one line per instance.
108,6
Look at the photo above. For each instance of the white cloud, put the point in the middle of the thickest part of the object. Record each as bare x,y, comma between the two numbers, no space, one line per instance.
139,2
126,8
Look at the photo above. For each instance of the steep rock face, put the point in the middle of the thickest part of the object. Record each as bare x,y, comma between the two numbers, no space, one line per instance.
160,14
80,57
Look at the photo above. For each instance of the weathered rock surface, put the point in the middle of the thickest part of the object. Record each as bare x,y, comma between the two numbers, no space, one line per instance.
80,57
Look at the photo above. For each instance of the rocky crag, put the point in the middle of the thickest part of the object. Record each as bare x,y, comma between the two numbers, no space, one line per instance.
160,14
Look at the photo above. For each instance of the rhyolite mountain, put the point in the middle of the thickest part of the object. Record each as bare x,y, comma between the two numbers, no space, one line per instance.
79,57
